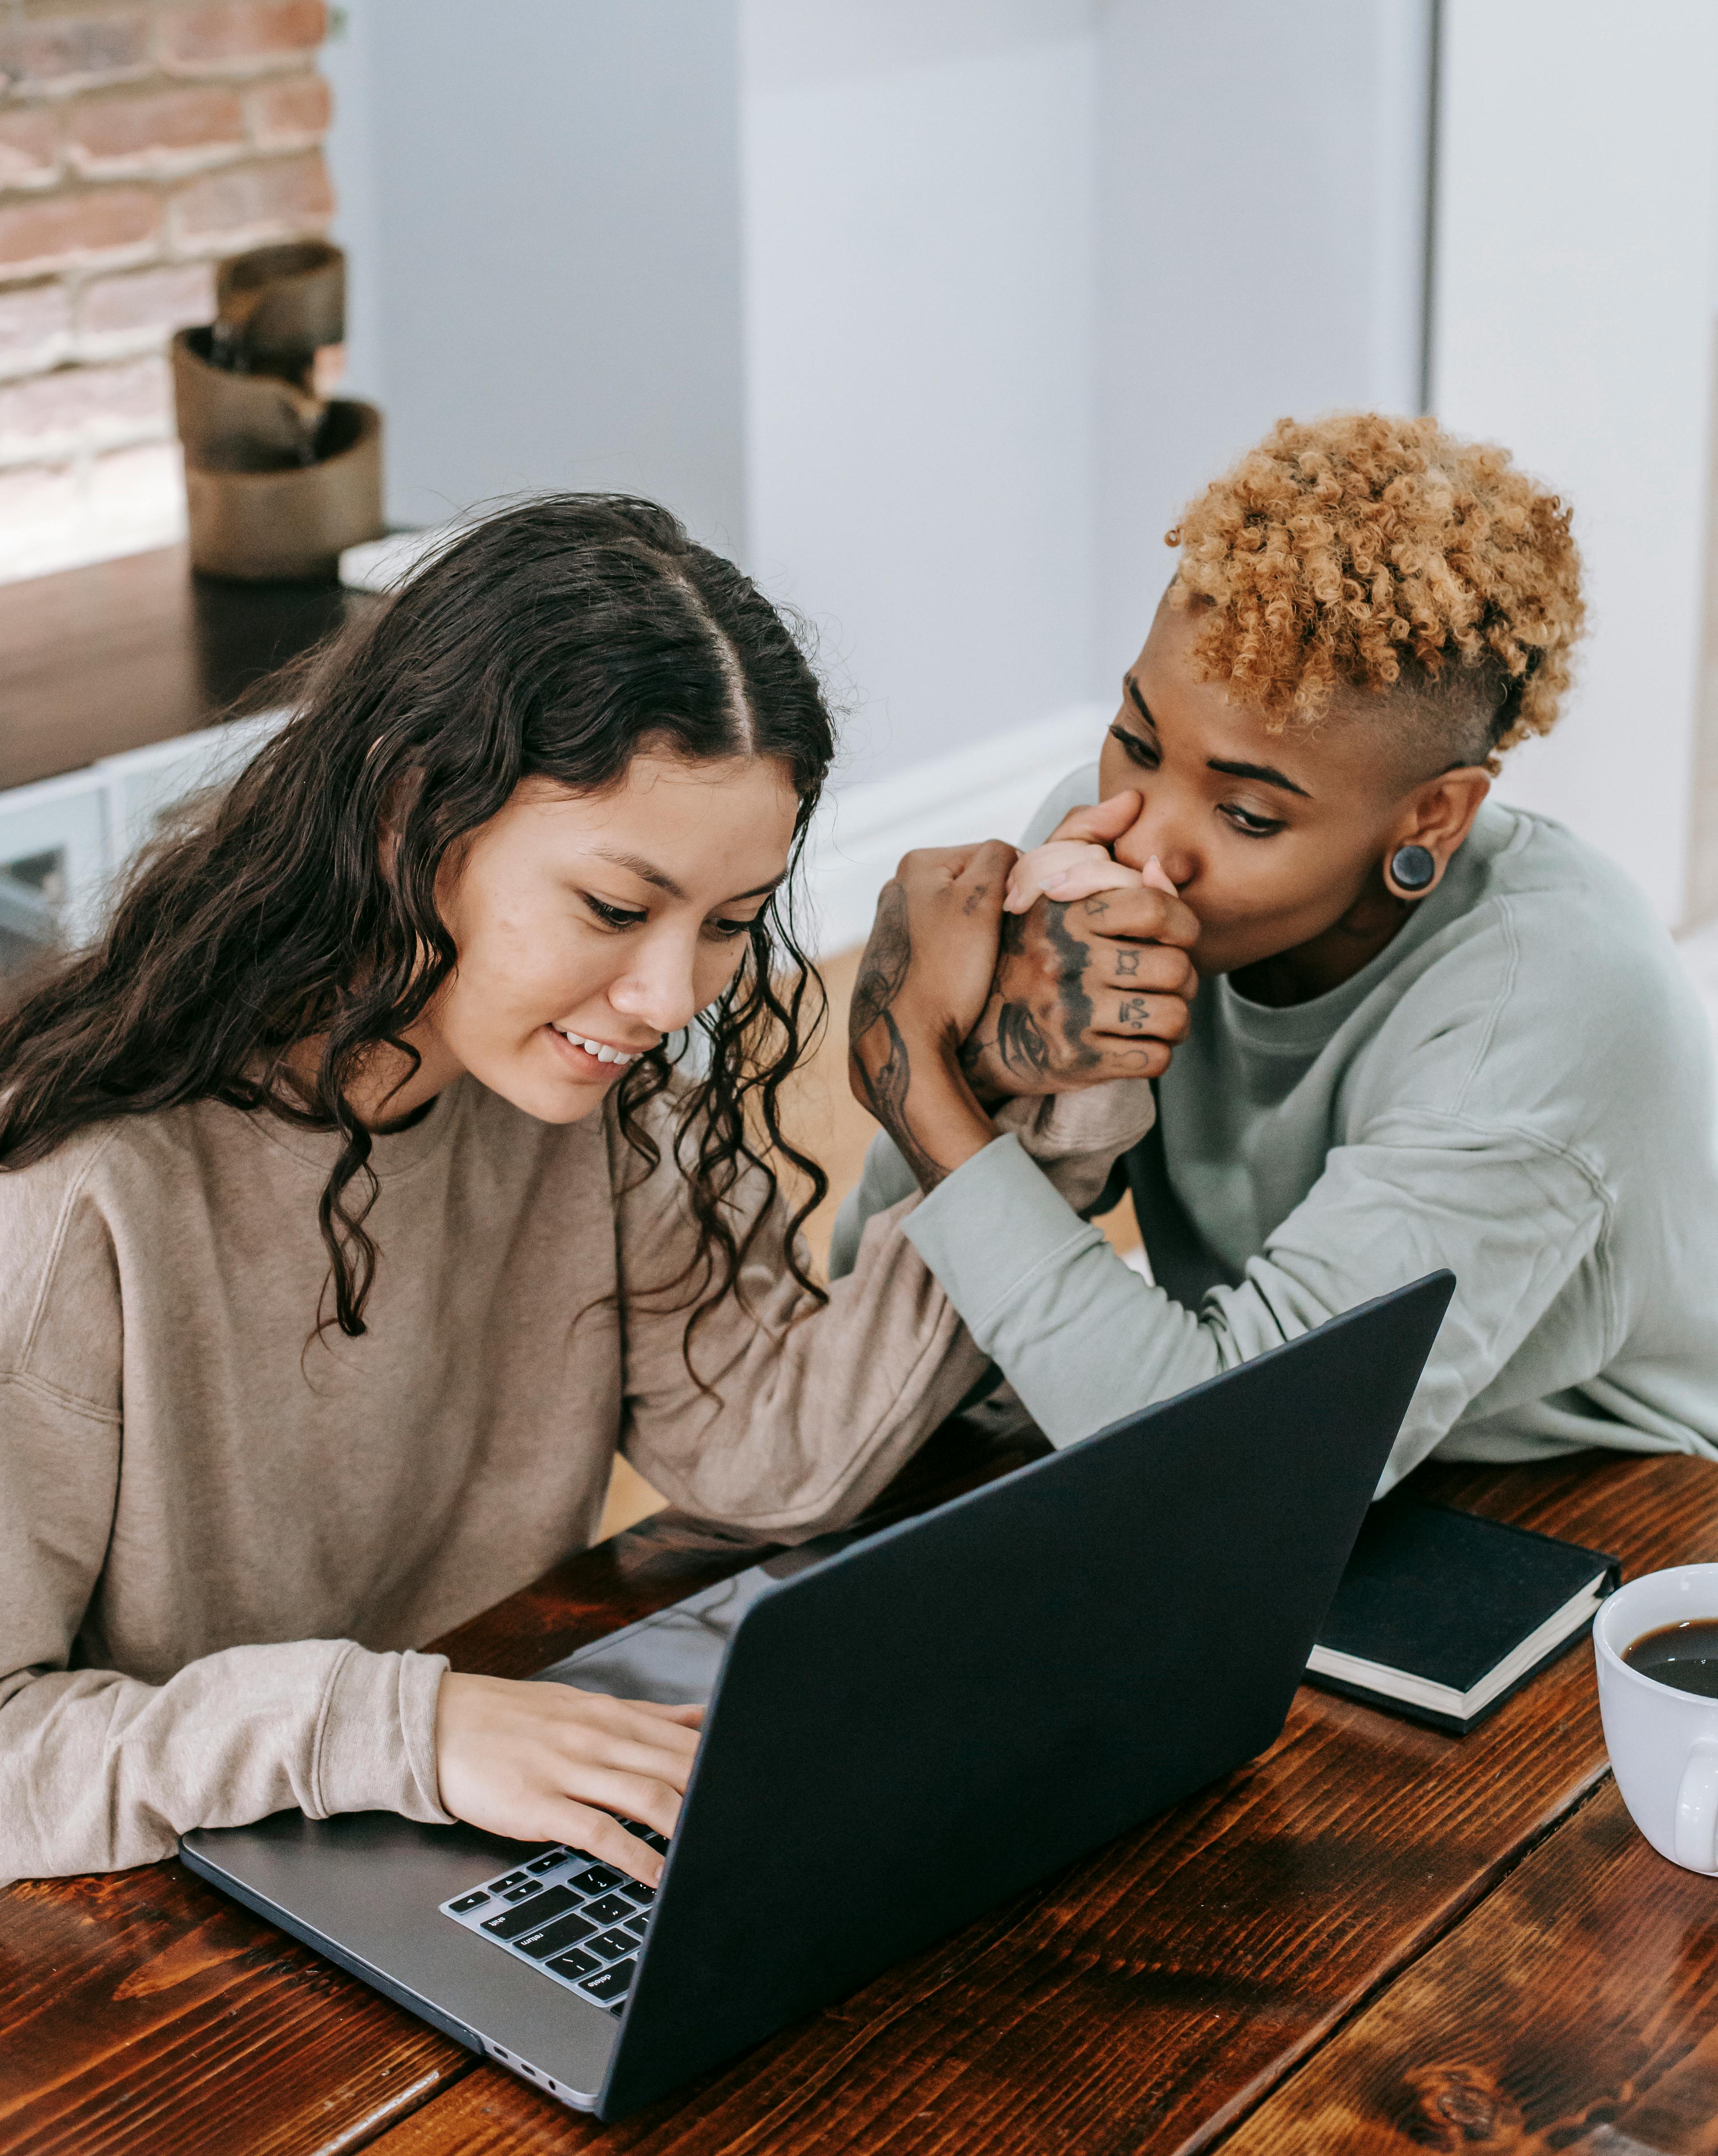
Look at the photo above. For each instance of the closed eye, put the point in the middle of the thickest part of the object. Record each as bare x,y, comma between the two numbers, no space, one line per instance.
1139,750
724,932
615,916
1255,827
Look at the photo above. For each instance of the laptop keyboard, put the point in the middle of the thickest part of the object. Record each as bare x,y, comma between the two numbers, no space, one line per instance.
575,1919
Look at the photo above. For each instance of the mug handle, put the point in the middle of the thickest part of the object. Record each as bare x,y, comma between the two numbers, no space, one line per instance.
1696,1832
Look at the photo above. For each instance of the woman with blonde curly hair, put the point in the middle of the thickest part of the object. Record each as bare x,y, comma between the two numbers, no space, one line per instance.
1431,1030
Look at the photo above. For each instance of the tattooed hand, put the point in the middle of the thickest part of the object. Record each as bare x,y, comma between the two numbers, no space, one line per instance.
923,981
1089,987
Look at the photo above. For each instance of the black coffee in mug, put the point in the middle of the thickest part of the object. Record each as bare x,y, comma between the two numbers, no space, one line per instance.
1685,1655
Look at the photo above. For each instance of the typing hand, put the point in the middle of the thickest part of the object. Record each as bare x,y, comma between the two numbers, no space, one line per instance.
546,1763
1093,979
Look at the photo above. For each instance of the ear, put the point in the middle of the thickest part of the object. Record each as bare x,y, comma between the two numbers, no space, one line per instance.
1435,817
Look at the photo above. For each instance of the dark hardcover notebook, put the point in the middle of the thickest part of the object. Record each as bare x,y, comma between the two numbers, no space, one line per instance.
1441,1615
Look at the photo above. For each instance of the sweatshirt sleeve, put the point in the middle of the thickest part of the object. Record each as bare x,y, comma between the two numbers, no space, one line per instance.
810,1410
98,1769
1084,1341
1076,1139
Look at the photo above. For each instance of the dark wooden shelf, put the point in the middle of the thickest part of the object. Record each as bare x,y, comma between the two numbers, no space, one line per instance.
112,657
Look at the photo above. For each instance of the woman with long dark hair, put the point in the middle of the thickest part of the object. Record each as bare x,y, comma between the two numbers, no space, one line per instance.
355,1209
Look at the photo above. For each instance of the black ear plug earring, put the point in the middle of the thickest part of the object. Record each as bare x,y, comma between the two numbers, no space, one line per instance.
1412,869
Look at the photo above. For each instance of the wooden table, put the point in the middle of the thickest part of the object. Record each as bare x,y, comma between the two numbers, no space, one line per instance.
94,661
1373,1938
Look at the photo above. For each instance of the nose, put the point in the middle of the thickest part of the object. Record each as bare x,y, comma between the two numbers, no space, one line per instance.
1156,830
658,988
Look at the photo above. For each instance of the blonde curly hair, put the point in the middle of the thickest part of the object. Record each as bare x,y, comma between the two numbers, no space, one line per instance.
1372,554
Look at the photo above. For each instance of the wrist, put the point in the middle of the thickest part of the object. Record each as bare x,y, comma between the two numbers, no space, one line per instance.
912,1083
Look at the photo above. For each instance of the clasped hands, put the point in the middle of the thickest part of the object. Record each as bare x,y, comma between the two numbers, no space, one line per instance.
990,973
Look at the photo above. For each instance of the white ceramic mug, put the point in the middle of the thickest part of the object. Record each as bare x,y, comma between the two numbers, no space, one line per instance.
1663,1742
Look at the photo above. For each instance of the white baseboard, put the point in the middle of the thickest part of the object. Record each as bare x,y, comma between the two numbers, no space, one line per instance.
985,792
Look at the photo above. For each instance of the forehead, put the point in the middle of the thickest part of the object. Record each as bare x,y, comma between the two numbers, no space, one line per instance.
1343,750
729,822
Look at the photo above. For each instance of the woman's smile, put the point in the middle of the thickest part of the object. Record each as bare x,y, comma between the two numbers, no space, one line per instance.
595,1062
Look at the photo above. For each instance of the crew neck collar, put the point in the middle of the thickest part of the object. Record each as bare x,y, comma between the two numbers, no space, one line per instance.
392,1152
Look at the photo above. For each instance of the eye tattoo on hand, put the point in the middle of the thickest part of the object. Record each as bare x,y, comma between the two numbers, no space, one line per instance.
1019,1042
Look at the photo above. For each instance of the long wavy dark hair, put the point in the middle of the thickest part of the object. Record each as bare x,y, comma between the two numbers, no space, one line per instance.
555,639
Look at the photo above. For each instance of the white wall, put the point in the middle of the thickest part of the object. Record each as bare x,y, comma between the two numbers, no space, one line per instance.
546,194
1262,213
1018,276
919,224
349,147
937,311
1573,322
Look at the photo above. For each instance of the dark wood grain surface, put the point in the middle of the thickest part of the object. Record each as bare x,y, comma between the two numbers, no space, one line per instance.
1150,1999
1577,2010
96,660
144,2012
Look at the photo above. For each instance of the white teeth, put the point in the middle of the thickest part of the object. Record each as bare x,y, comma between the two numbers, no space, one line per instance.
600,1049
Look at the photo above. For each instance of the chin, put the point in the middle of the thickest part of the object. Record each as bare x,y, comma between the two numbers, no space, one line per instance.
561,1103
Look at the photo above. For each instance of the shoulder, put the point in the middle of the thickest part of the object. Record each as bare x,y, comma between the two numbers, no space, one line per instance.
1078,788
59,1282
36,1198
1556,990
1578,926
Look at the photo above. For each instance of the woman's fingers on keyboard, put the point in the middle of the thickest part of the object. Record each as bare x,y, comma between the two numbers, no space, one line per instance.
512,1758
649,1799
581,1826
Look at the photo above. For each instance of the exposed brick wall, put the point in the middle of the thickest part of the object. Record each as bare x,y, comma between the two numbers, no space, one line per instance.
138,143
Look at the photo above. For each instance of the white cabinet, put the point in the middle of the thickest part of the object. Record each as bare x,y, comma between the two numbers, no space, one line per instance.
145,785
64,841
54,857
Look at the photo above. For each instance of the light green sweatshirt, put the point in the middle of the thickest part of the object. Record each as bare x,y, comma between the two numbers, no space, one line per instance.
1519,1087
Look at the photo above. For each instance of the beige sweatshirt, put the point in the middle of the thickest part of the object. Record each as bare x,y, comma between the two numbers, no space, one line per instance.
221,1539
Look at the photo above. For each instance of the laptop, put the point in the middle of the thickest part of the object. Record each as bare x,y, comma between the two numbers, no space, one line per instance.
906,1727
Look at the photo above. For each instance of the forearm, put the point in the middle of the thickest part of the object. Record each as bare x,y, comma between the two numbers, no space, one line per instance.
913,1083
1075,1140
99,1771
884,1182
1082,1338
1084,1342
810,1410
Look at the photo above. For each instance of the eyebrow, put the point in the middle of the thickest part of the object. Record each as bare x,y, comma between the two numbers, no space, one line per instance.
1266,774
648,872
